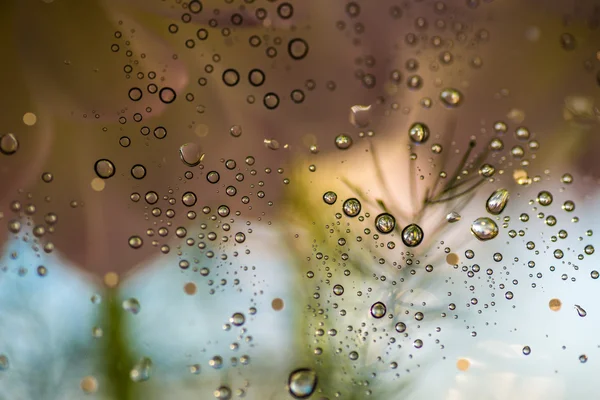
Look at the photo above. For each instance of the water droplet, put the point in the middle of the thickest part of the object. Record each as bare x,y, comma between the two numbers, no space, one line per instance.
400,327
526,350
544,198
338,290
213,177
484,229
271,101
191,154
451,97
353,355
330,197
497,201
360,116
135,94
231,77
412,235
271,144
142,370
302,383
167,95
351,207
135,242
104,168
9,144
378,310
385,223
222,393
522,133
189,199
583,358
580,311
194,369
132,305
237,319
138,171
453,217
343,142
418,132
297,48
509,295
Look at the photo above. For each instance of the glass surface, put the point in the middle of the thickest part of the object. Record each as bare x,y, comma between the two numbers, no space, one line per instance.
299,199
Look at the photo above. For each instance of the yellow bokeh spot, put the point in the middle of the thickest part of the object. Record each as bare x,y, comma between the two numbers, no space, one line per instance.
277,304
111,279
190,288
89,384
452,259
98,184
29,119
555,304
463,364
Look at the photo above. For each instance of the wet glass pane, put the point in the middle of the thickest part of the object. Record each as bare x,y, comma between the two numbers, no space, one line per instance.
299,199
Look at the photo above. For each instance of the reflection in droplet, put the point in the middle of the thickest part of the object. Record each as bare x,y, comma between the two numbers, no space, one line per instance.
351,207
497,201
132,305
378,310
484,229
302,383
412,235
343,142
330,197
451,97
104,168
580,311
385,223
191,154
8,144
142,370
418,132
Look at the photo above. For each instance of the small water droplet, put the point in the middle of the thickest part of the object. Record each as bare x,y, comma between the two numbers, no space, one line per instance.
580,311
330,197
352,207
385,223
544,198
135,242
343,142
9,144
451,97
360,116
104,168
132,305
526,350
237,319
453,217
142,370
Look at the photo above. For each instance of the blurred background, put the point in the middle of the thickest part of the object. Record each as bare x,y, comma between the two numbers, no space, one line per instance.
270,199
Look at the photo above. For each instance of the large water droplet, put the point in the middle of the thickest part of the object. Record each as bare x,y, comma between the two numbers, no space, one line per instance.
302,383
451,97
385,223
191,154
497,201
412,235
378,310
418,132
9,144
352,207
104,168
360,116
484,229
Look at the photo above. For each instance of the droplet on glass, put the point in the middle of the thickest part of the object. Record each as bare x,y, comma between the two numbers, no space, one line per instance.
237,319
142,370
330,197
235,131
378,310
132,305
135,242
497,201
453,216
189,199
9,144
544,198
451,97
104,168
167,95
418,132
343,142
302,383
580,311
297,48
526,350
360,116
484,229
385,223
412,235
138,171
191,154
351,207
